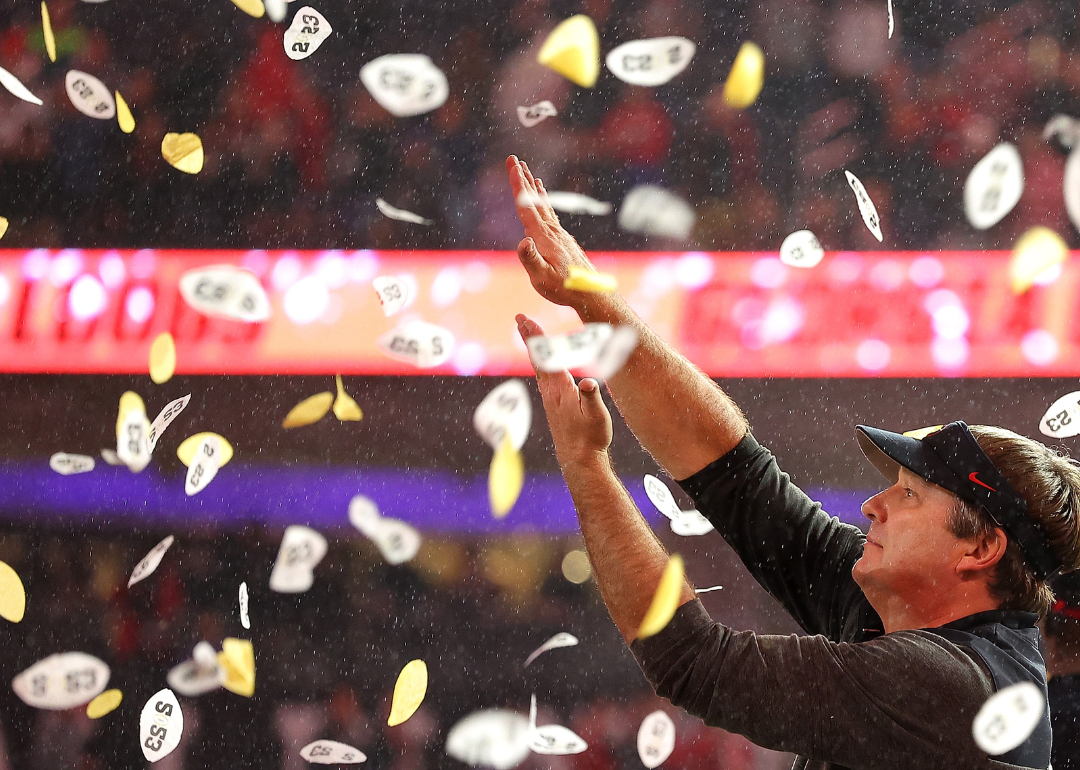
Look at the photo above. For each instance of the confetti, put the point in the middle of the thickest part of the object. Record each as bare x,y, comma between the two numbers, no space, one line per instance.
615,352
251,7
583,279
345,407
652,210
89,95
409,692
69,465
801,249
104,704
505,478
394,293
184,152
683,523
405,84
866,206
109,456
146,566
1062,419
552,739
495,738
655,739
666,599
162,358
576,203
746,78
921,433
572,351
419,343
561,639
123,114
1036,252
397,541
691,524
401,214
309,411
3,226
164,419
245,620
15,86
12,594
132,430
302,548
161,725
276,10
1008,718
892,21
47,31
332,753
197,676
1064,128
189,446
62,681
505,411
650,62
708,590
1072,187
994,186
204,465
236,662
573,50
225,291
308,31
537,113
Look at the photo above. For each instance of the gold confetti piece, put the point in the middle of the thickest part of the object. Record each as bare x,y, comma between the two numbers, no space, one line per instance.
308,411
46,28
505,478
345,407
12,594
573,50
251,7
921,433
186,450
104,703
1038,250
162,358
237,661
123,115
129,401
665,600
3,226
581,279
746,77
184,151
408,692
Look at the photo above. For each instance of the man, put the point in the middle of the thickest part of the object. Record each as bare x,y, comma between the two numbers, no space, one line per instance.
1061,628
912,627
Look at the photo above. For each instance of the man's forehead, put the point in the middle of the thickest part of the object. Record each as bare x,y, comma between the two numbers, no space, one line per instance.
910,477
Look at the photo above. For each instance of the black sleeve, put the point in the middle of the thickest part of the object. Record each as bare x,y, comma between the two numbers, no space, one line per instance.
797,552
904,700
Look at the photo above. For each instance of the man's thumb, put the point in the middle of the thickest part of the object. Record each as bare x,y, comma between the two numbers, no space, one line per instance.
592,402
529,255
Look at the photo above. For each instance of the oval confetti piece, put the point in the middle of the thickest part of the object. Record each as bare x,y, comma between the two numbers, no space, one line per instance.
61,681
572,351
302,548
691,524
660,494
1008,718
1036,252
276,10
553,740
801,249
146,566
3,226
123,114
332,753
652,210
188,447
576,203
245,619
162,358
409,692
308,31
164,419
184,152
505,411
655,739
994,186
397,541
251,7
401,215
204,466
12,594
866,206
132,431
129,401
666,599
109,456
394,293
495,738
310,410
573,50
582,279
1062,419
161,725
104,704
505,478
191,679
47,30
651,62
237,663
345,407
746,78
561,639
537,113
225,291
89,95
422,344
615,352
15,86
68,465
405,84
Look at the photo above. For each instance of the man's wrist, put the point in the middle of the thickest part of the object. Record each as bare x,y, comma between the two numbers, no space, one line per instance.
593,461
594,308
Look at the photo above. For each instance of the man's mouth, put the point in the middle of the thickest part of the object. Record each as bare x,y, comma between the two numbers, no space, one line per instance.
871,541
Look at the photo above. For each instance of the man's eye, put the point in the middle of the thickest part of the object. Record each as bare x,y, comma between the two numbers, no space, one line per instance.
910,491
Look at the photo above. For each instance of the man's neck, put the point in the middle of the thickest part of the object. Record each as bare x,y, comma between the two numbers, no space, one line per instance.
903,613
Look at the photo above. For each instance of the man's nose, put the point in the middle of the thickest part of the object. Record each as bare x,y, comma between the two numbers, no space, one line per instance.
874,509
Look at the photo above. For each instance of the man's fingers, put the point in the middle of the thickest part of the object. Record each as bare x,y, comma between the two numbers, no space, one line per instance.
592,403
530,256
527,327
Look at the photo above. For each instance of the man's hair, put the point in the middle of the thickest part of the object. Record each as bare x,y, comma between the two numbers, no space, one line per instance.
1063,625
1049,482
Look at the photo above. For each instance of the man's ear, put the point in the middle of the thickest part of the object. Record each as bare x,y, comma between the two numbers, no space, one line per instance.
983,553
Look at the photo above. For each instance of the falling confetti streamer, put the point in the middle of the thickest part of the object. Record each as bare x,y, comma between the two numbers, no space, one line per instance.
46,28
666,599
1036,252
1008,718
583,279
655,739
866,206
68,465
409,692
309,411
537,113
302,548
345,407
746,78
1062,419
651,62
573,50
62,681
505,478
123,114
245,620
164,419
146,566
15,86
332,753
561,639
161,725
892,21
401,215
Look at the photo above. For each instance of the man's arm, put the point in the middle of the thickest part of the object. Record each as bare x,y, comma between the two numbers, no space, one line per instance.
677,413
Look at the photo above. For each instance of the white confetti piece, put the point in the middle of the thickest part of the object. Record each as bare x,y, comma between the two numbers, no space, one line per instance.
165,418
655,739
650,62
89,95
15,86
691,524
308,31
146,566
62,681
332,753
708,590
422,344
1071,187
1064,128
652,210
1062,419
892,21
395,293
553,739
225,291
505,411
1008,718
571,351
577,203
131,439
495,738
204,467
276,11
615,352
110,457
197,676
161,725
302,548
683,523
245,620
994,186
397,541
801,249
866,206
562,639
537,113
67,465
405,84
364,514
401,214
